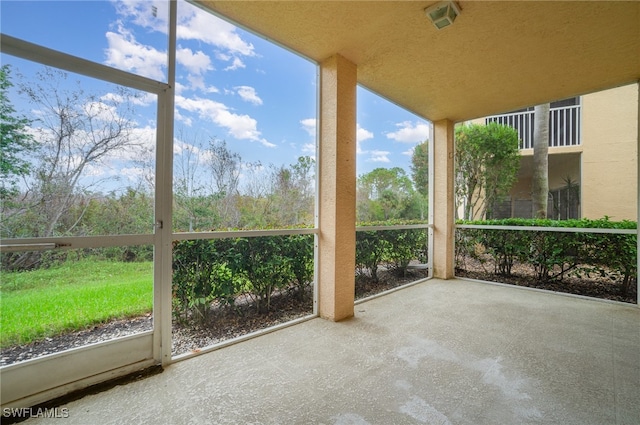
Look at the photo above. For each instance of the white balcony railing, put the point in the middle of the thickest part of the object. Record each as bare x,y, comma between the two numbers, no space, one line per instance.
564,126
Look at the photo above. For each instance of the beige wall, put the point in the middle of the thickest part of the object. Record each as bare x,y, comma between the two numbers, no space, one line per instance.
609,161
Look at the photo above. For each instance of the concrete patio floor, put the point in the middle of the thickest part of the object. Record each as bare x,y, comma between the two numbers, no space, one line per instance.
439,352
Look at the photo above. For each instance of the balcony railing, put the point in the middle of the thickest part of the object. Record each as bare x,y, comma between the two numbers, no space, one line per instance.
564,126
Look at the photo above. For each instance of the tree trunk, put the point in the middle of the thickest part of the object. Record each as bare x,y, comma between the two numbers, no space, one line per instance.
540,178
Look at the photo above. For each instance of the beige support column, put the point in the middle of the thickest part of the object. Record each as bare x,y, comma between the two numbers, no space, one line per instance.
337,188
638,193
443,199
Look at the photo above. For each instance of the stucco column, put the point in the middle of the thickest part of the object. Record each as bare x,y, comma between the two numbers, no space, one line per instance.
443,200
337,188
638,191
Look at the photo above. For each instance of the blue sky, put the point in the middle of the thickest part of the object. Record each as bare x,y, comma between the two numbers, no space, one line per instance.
231,84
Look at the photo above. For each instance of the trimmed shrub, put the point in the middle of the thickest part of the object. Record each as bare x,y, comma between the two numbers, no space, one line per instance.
264,265
554,255
404,246
217,271
370,250
394,248
201,275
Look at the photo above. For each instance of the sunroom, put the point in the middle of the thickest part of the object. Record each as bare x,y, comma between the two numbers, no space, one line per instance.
490,58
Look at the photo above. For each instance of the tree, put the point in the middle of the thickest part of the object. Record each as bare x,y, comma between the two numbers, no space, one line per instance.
15,141
254,205
129,213
540,178
487,161
303,172
194,205
291,193
420,167
385,194
420,175
76,133
225,169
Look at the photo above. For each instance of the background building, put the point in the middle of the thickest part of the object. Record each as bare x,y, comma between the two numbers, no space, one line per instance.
592,165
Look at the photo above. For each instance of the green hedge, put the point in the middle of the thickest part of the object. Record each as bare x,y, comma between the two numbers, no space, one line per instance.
551,254
395,248
217,271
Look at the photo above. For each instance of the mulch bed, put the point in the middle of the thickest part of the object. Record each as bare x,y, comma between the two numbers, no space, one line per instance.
230,322
387,279
594,286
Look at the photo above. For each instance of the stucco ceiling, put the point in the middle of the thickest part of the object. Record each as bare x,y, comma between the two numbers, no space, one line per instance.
498,56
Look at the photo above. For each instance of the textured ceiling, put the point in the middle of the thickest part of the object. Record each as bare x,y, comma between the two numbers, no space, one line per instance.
498,56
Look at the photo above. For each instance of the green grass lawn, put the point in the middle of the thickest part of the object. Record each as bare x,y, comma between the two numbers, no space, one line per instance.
42,303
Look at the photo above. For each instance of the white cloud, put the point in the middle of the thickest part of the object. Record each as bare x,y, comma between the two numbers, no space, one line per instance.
111,165
146,138
144,142
132,173
147,14
125,53
179,146
309,148
101,111
248,94
144,99
241,127
180,88
112,97
92,173
185,152
237,63
410,133
197,63
181,118
362,135
409,152
196,24
379,156
309,125
193,24
196,82
140,99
